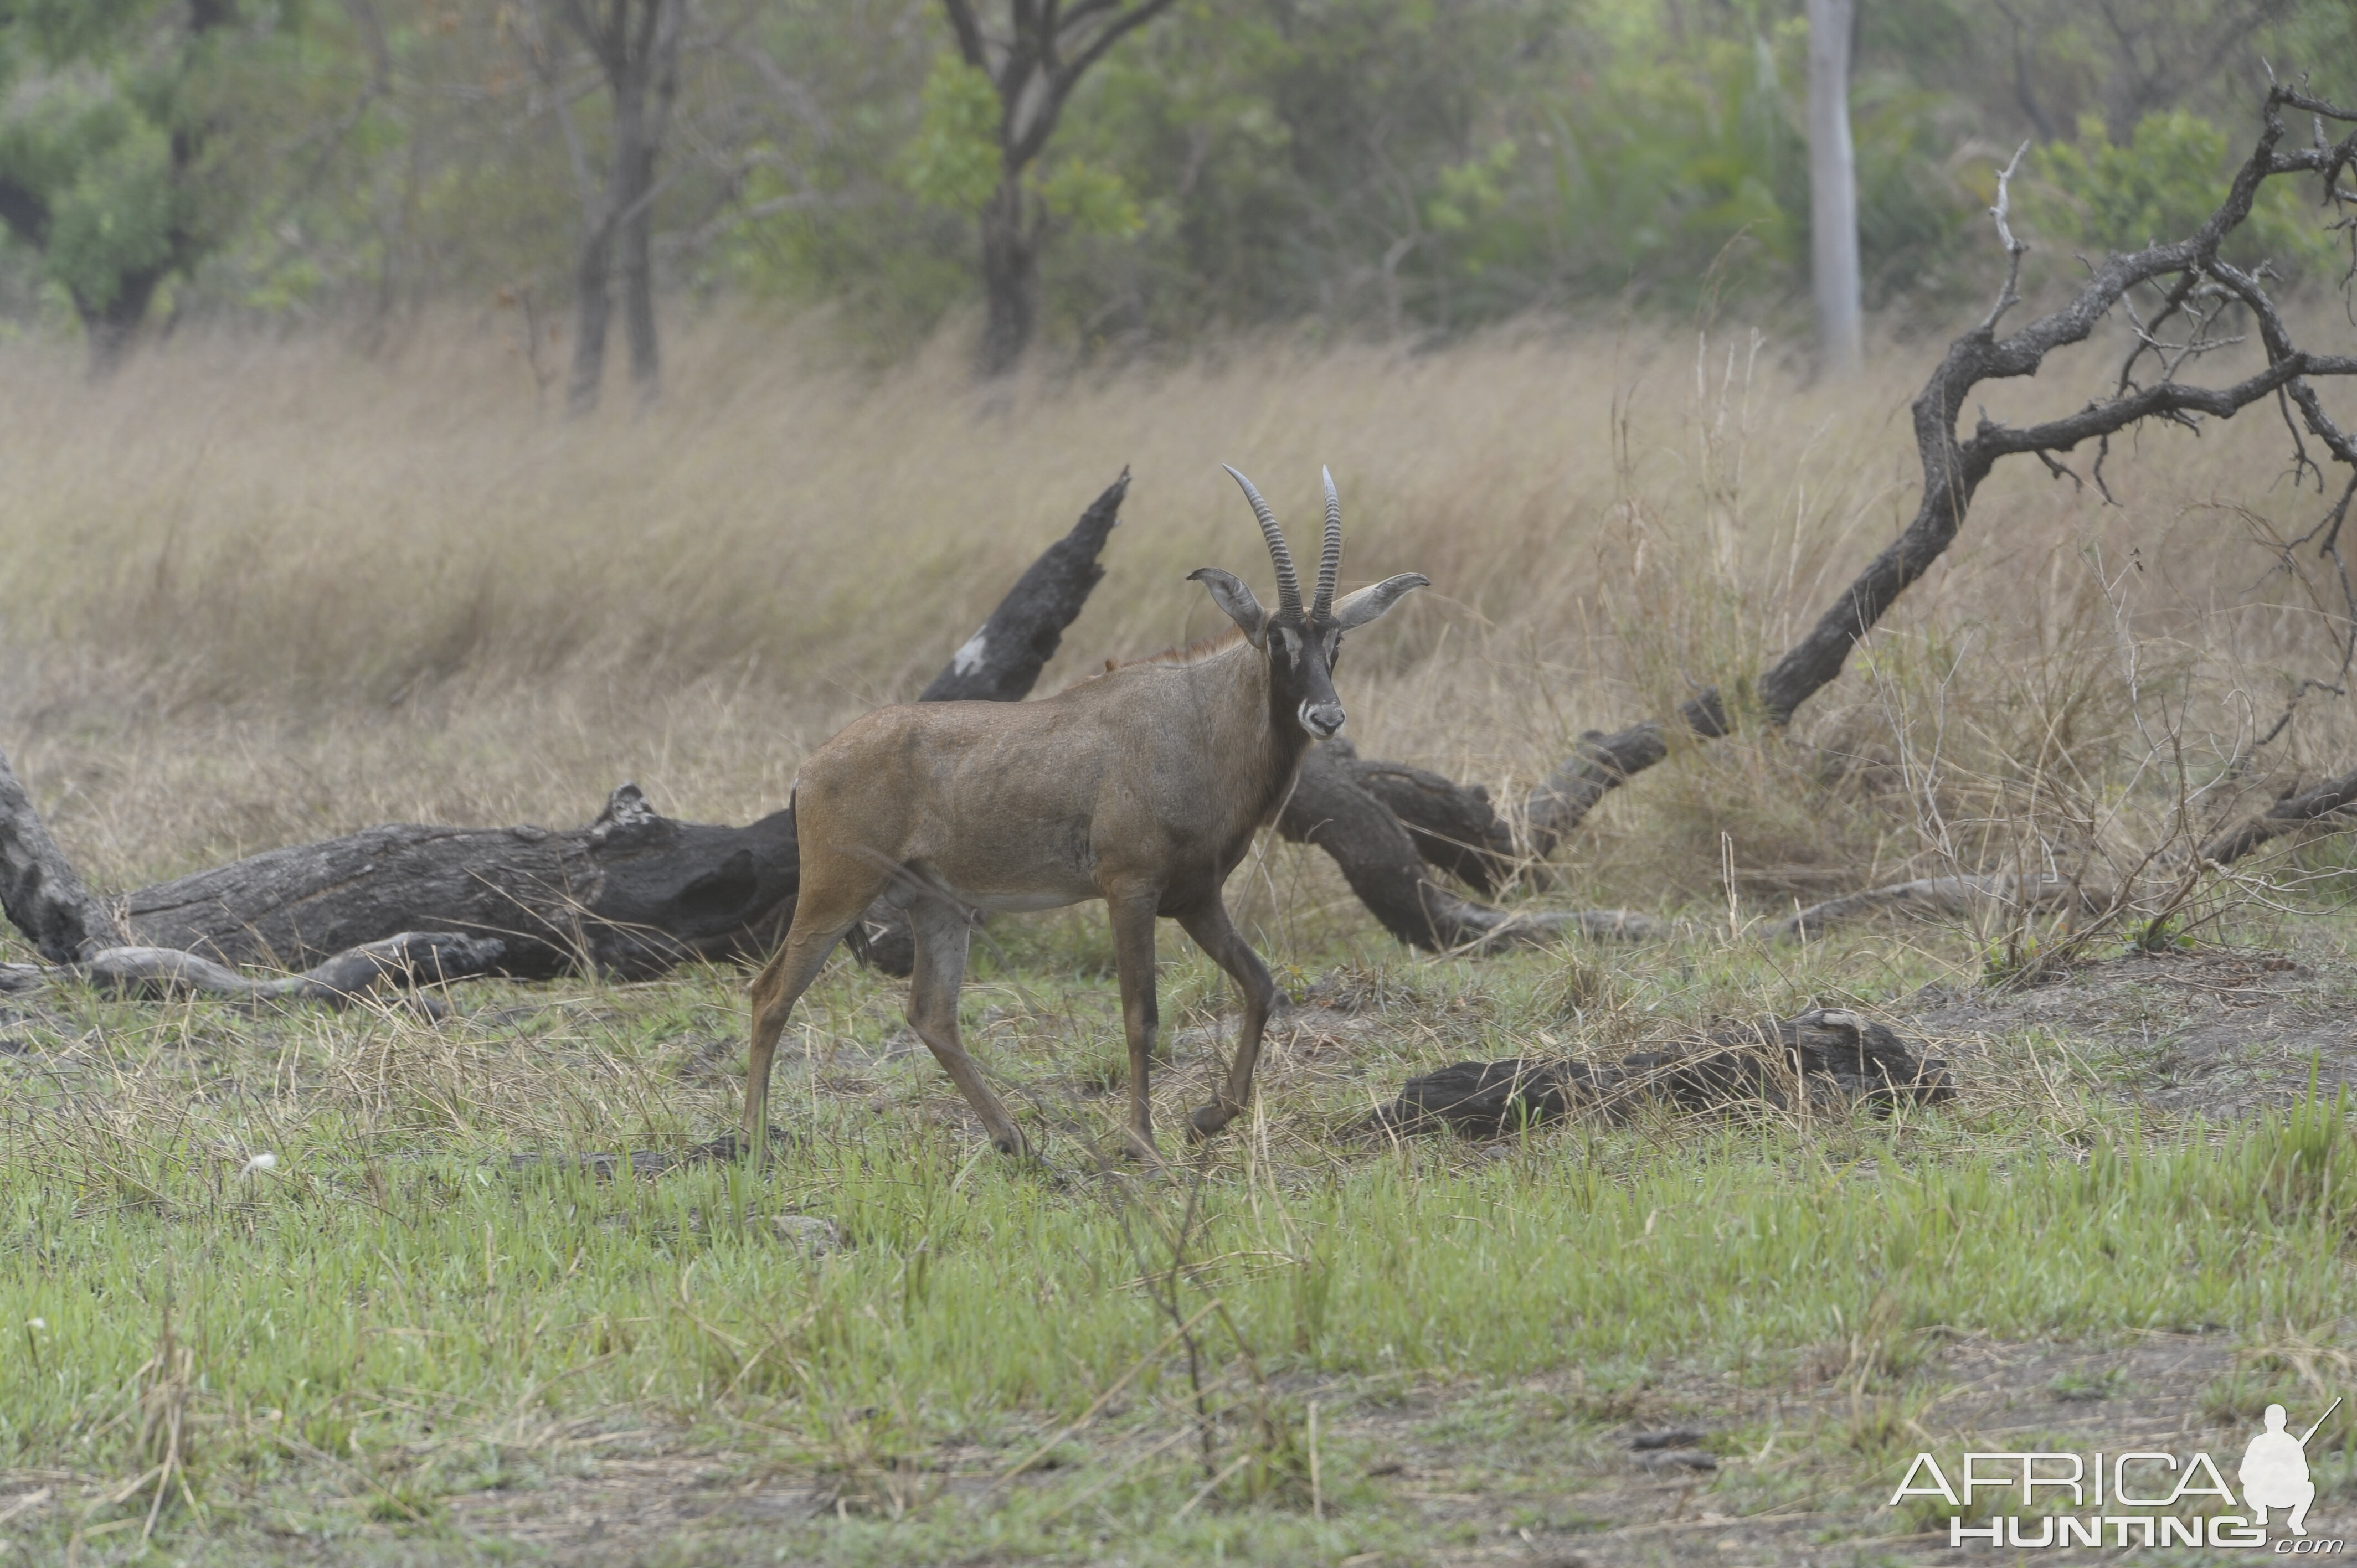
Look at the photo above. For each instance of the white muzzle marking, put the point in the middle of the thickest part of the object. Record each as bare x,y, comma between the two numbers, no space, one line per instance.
1323,725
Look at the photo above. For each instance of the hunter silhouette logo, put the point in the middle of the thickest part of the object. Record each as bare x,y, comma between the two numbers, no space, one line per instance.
2140,1498
2275,1471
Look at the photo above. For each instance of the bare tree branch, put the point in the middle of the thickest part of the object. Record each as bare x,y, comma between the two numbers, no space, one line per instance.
1953,467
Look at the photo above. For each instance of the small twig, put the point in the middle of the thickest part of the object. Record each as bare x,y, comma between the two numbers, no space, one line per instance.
2011,294
1205,1490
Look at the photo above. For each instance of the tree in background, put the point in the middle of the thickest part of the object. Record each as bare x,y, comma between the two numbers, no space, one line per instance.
1030,66
1833,186
634,46
110,162
1396,168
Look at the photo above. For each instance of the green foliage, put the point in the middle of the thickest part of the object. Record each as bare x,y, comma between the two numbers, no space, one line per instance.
121,159
953,161
1091,199
103,170
1393,163
2160,185
1472,190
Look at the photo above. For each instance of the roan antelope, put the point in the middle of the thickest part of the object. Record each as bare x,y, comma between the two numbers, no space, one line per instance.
1143,787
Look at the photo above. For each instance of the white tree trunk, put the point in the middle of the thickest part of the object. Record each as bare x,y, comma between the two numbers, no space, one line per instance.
1833,185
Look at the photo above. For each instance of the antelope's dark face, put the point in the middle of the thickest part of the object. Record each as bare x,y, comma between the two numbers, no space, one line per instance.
1301,653
1300,643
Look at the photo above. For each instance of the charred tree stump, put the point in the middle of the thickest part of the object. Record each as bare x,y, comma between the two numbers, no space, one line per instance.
1821,1058
38,890
1001,662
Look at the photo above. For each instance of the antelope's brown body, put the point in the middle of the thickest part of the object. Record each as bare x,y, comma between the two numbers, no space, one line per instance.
1143,787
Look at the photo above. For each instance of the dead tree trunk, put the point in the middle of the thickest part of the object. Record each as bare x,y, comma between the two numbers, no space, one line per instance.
2187,280
1833,186
1033,62
636,49
2288,815
631,895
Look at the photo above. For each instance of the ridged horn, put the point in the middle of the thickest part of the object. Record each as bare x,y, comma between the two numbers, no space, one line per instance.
1330,559
1288,586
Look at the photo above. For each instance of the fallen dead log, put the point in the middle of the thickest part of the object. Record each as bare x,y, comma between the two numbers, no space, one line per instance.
632,894
1453,826
1820,1058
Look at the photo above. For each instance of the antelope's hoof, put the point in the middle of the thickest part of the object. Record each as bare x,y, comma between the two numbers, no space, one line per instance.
1207,1120
1013,1146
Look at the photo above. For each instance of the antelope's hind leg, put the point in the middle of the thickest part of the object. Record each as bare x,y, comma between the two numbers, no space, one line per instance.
1132,911
828,907
942,933
1217,935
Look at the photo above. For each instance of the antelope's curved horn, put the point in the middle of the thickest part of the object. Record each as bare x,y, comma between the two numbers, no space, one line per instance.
1288,586
1330,559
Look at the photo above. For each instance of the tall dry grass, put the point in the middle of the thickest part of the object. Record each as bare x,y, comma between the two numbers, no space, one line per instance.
257,591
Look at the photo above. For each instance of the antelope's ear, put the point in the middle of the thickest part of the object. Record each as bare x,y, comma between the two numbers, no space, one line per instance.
1229,594
1367,604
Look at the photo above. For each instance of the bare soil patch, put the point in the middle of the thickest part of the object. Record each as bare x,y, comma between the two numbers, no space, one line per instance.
2221,1032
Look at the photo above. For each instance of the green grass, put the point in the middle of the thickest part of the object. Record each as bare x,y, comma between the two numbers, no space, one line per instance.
395,1314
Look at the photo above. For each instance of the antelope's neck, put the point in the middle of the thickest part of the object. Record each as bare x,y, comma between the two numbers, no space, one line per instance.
1278,746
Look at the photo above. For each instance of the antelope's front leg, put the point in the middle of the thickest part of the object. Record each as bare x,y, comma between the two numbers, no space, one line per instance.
1131,910
1217,935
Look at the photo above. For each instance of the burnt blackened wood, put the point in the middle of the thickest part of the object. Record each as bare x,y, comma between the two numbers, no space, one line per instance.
1821,1058
1333,808
38,889
632,894
1452,825
1001,662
